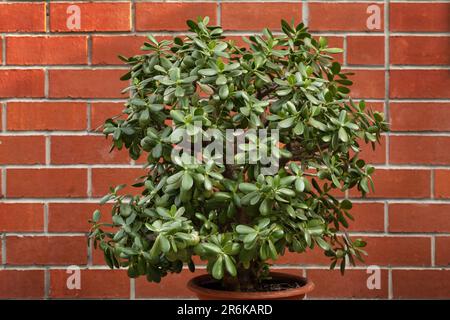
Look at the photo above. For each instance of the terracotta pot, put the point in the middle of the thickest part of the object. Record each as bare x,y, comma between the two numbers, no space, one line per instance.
197,285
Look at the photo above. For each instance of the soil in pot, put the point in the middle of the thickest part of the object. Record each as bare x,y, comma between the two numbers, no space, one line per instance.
281,286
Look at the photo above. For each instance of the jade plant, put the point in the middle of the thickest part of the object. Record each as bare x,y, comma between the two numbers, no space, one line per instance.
235,218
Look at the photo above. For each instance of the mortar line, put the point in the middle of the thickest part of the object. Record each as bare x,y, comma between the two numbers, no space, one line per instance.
344,56
47,16
433,251
387,73
354,200
90,253
51,99
4,250
432,179
84,132
46,82
390,286
3,183
132,289
89,182
340,1
219,12
370,234
82,67
126,165
47,30
386,217
119,67
47,150
117,100
88,116
46,217
75,166
89,50
4,117
46,283
227,32
305,12
296,266
3,49
133,16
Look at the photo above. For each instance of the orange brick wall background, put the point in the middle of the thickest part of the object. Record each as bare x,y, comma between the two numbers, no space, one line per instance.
57,85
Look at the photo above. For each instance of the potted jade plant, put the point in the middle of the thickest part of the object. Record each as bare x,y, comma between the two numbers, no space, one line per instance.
281,95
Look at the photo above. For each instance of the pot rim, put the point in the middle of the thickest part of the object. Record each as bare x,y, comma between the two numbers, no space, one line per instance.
194,285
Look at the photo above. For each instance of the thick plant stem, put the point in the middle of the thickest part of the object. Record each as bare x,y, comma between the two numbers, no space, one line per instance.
247,279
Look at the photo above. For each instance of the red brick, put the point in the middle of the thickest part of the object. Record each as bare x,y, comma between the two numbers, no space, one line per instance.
46,116
173,286
412,84
23,284
398,251
41,250
374,106
1,48
409,217
368,217
46,50
21,83
22,17
341,17
331,284
382,251
367,84
22,149
96,83
442,183
105,49
421,284
419,149
372,156
336,42
419,116
100,111
73,217
172,16
365,50
425,17
442,247
46,183
399,183
93,284
433,50
106,16
1,253
21,217
85,150
102,179
98,257
257,16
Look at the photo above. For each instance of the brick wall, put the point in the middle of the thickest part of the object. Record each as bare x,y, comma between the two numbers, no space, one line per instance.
57,84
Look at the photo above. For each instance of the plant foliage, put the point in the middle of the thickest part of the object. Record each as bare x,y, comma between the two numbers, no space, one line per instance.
230,215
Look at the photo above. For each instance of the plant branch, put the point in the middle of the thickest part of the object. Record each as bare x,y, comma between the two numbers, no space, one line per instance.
265,92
